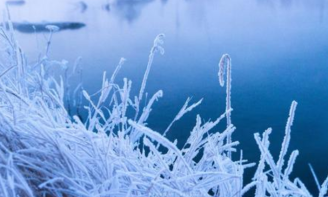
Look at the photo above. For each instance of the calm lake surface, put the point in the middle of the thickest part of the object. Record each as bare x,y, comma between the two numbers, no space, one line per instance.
279,51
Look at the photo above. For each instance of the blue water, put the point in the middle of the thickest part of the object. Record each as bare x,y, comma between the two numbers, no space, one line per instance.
279,53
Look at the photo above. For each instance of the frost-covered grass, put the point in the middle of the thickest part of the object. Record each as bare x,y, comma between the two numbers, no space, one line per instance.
45,152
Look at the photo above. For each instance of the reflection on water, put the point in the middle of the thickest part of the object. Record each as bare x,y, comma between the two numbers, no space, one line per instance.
130,10
278,48
82,6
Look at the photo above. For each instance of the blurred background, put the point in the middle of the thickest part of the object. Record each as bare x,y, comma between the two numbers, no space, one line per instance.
279,51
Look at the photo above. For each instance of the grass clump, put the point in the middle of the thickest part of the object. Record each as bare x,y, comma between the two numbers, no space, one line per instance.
46,152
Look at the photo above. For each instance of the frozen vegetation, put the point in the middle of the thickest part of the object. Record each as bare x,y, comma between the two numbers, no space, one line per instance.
45,152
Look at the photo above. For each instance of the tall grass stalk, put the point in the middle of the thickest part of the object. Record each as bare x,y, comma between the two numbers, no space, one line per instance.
225,64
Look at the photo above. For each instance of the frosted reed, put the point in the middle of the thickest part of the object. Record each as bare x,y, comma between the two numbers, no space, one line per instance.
225,64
